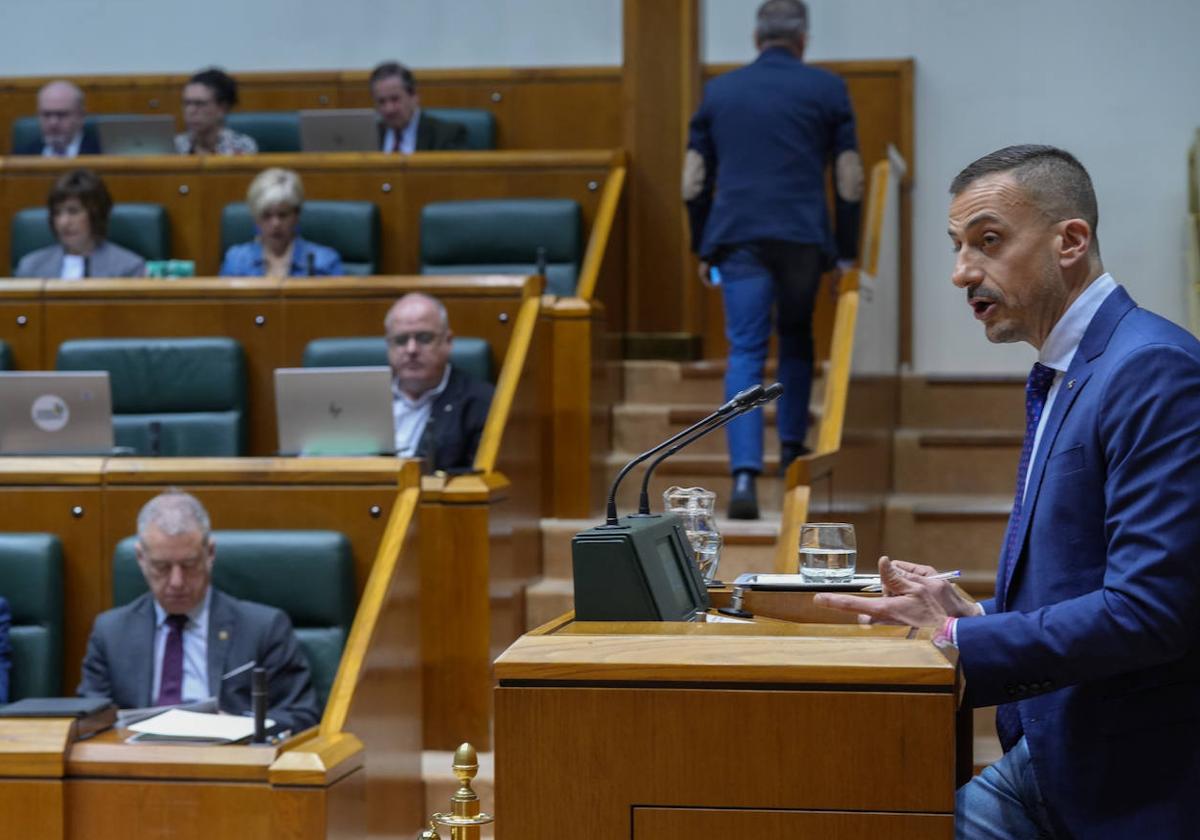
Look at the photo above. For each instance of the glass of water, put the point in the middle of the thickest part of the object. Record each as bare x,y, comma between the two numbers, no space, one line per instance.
827,552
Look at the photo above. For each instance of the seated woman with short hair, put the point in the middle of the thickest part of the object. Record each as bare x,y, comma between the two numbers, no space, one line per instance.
207,97
79,206
275,197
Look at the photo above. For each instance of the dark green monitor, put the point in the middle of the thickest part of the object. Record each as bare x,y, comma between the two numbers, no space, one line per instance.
641,569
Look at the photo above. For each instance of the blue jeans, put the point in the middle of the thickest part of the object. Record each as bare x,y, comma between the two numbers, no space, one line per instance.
762,281
1003,802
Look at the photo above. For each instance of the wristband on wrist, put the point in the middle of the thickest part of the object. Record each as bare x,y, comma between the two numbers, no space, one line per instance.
945,633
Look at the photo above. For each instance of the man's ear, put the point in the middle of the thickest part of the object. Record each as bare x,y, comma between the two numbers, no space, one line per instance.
1075,240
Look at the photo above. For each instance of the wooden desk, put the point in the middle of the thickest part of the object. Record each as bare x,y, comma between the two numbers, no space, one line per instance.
772,729
195,189
53,787
92,503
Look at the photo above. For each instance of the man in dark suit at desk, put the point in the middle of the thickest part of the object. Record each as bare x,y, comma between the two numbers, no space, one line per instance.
403,127
185,640
439,411
754,176
61,113
1090,643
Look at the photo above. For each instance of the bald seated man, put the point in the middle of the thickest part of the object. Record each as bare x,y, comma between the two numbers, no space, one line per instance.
185,640
61,111
439,411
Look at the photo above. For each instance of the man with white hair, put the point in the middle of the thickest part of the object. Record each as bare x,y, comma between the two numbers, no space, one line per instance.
184,640
754,178
61,112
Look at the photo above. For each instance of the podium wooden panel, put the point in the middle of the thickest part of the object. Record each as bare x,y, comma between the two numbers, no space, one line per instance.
666,730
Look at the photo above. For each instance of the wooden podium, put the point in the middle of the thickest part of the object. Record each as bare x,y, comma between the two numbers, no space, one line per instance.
688,730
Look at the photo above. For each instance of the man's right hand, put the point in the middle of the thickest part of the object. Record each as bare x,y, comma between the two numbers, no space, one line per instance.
703,270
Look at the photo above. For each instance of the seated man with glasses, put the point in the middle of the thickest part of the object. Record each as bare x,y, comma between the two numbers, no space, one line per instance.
439,411
184,640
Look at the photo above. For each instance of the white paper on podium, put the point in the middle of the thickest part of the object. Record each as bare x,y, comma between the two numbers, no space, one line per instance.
195,727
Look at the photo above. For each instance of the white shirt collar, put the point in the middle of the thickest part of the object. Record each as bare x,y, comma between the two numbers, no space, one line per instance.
426,398
72,149
1059,348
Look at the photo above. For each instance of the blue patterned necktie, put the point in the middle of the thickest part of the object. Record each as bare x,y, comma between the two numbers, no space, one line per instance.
1037,389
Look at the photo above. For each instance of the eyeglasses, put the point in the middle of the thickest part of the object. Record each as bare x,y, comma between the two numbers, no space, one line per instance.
424,338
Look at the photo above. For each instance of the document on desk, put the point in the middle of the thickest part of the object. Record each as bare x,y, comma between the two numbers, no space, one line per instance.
128,717
178,725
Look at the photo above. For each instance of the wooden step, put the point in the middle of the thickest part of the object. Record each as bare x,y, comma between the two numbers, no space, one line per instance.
957,402
547,599
690,383
638,427
955,461
950,532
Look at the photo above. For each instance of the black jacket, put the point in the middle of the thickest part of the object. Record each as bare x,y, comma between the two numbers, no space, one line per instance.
89,145
434,135
455,424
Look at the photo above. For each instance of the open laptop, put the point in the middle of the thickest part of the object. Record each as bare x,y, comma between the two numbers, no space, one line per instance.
55,413
339,130
137,134
335,411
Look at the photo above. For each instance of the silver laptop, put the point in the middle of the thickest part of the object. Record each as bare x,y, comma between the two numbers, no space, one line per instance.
48,413
335,411
339,130
137,134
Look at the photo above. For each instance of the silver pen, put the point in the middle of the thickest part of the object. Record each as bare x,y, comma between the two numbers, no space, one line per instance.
878,587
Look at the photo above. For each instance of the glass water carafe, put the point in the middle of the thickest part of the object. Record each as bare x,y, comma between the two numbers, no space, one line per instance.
696,506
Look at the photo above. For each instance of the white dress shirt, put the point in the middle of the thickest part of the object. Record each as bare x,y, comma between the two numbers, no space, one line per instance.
411,416
74,267
408,137
71,151
195,651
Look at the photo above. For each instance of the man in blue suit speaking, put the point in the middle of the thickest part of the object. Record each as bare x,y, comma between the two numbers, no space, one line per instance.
1090,643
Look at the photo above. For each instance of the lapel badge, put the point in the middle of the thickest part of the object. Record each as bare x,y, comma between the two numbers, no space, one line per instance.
1070,384
448,408
223,635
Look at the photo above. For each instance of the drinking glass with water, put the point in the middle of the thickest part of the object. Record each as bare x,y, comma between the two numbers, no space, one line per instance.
827,552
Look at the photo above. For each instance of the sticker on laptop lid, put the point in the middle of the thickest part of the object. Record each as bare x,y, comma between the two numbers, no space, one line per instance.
50,413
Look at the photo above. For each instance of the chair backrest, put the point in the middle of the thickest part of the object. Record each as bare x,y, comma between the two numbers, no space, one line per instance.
273,131
26,130
170,396
5,356
502,236
479,122
349,227
307,574
31,574
141,227
470,355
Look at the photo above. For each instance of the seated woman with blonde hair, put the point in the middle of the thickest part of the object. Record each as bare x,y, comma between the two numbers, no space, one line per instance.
275,197
79,206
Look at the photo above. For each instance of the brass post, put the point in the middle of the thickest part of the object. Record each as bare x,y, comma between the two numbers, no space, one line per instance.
465,818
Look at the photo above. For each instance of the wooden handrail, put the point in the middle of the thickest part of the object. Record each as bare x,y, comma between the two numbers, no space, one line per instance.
506,384
370,607
873,232
593,259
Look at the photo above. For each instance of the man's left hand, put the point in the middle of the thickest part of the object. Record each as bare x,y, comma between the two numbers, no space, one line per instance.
911,598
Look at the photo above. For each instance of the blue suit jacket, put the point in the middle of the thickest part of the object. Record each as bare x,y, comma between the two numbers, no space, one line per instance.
5,649
767,133
1094,634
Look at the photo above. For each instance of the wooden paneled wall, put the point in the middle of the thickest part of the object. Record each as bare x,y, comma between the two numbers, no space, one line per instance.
535,108
194,190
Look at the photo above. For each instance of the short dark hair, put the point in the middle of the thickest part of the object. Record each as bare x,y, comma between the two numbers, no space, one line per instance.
222,85
85,185
390,69
781,20
1053,179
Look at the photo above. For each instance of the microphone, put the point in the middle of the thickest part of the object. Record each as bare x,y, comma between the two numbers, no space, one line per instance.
312,264
769,394
258,702
742,398
155,444
541,260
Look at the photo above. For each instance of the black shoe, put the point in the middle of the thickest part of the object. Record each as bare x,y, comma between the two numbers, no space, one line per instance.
789,452
743,503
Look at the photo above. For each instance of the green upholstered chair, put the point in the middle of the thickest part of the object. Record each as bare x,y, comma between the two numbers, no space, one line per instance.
273,131
26,130
307,574
170,396
31,574
143,228
502,236
349,227
6,361
479,122
470,355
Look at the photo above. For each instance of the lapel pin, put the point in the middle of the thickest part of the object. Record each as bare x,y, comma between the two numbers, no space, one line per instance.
223,635
1070,384
448,408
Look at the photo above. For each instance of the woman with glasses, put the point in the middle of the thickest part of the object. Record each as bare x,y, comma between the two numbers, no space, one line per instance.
207,97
